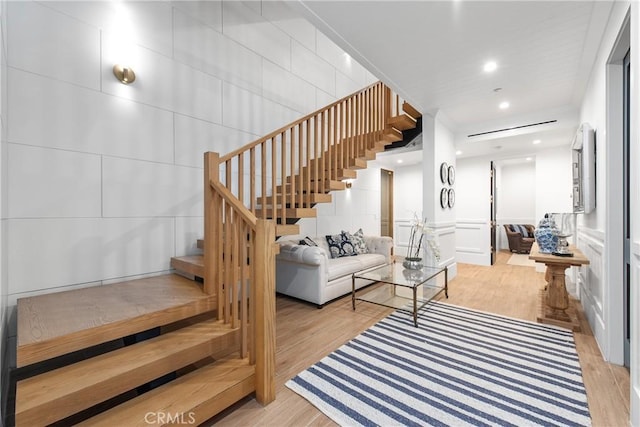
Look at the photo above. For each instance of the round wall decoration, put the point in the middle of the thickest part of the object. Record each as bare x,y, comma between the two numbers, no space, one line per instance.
444,198
451,175
452,197
444,172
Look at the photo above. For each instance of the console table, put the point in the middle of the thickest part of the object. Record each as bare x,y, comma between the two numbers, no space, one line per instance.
555,304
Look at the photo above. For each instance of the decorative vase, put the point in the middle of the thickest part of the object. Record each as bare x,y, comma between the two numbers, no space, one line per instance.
547,235
412,263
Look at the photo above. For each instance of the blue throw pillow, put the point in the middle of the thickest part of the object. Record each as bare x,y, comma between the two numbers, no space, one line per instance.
522,230
340,245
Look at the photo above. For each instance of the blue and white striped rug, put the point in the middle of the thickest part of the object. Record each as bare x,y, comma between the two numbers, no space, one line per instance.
459,367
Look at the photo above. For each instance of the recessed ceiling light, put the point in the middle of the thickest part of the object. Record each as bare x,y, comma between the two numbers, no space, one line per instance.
529,159
490,66
504,105
536,141
399,160
458,152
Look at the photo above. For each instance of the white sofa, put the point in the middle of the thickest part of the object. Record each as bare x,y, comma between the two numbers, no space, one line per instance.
310,274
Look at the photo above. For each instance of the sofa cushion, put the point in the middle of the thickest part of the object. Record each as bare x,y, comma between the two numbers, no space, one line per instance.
343,266
370,260
357,239
340,246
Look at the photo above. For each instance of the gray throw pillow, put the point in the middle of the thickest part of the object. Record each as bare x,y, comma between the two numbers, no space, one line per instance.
357,239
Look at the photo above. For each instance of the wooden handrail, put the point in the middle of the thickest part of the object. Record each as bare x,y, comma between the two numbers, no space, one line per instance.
235,203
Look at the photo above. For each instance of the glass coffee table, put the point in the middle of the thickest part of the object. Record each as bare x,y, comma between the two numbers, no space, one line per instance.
403,289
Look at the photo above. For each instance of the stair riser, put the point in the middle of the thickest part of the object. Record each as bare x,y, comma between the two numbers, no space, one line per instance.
79,400
40,351
198,395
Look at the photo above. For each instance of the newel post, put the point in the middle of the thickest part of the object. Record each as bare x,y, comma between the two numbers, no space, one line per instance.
265,250
211,219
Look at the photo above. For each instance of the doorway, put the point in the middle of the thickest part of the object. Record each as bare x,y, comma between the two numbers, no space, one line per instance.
492,227
386,202
626,250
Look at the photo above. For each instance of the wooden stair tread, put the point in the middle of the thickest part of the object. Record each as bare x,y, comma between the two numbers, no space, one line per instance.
402,122
287,229
392,135
290,212
190,264
200,395
342,173
352,163
329,185
315,198
410,110
54,324
57,394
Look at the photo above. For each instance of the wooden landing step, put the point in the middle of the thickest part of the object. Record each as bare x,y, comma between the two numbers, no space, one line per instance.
402,122
196,396
55,324
57,394
192,265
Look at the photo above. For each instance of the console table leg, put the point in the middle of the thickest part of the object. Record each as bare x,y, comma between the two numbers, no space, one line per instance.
415,307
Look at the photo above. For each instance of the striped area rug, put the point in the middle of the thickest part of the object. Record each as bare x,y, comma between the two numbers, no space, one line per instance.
460,367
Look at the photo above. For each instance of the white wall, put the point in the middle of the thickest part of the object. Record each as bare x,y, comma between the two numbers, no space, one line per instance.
553,181
437,147
349,210
515,197
104,181
407,201
599,233
473,240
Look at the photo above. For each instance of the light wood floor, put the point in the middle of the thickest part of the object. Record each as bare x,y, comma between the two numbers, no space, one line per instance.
306,334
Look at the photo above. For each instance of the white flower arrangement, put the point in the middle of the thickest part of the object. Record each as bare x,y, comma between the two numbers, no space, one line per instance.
421,231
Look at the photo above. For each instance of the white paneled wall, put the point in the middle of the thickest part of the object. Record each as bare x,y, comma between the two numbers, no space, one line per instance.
473,242
104,180
591,281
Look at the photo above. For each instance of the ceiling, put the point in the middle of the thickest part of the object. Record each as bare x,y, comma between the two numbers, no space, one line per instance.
433,53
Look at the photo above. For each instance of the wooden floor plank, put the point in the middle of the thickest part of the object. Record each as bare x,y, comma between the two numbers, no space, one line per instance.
305,334
54,324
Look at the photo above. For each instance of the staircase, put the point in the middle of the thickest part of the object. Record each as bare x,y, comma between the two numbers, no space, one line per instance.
211,341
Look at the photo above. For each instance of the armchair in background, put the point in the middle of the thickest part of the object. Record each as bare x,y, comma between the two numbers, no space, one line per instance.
520,237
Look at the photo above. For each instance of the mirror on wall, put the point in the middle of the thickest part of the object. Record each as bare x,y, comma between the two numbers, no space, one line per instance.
583,152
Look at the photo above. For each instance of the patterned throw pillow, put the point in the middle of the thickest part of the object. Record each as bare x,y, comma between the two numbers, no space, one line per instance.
307,241
357,239
340,245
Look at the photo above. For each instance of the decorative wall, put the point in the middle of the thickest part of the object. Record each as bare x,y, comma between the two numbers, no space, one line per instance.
105,180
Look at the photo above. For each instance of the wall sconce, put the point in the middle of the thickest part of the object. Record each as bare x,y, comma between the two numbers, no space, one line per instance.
348,183
124,74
